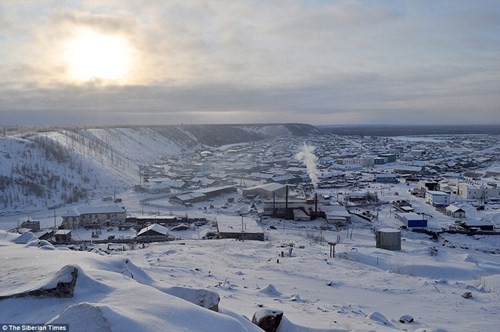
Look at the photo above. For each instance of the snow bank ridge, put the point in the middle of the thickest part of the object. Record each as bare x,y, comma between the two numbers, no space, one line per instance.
61,284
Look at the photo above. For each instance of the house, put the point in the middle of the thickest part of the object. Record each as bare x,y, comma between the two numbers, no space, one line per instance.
403,169
93,216
62,236
361,196
388,157
361,162
140,221
160,185
437,198
412,220
153,232
386,178
337,214
454,211
472,225
241,228
32,225
417,152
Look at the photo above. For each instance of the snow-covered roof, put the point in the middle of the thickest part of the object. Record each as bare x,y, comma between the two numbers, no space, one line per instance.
406,208
268,186
203,180
63,232
389,230
156,217
412,216
155,228
336,210
78,211
408,168
189,196
210,190
358,194
169,182
453,208
437,193
478,223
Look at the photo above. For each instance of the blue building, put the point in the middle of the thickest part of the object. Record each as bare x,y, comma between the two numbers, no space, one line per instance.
412,220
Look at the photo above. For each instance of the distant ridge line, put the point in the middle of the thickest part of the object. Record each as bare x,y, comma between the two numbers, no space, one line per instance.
403,130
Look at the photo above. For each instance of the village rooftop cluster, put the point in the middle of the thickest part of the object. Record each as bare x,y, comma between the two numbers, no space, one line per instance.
424,183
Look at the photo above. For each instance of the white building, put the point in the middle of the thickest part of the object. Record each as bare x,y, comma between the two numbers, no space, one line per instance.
478,191
93,216
360,162
437,198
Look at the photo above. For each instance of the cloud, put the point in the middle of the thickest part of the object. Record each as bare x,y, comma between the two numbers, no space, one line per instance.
101,22
220,61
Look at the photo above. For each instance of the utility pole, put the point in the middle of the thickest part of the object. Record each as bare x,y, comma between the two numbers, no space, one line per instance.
242,230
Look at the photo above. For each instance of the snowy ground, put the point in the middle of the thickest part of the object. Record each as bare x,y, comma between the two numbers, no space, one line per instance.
362,288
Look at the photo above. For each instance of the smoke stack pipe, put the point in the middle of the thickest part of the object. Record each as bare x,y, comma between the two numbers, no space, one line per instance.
315,204
286,201
274,204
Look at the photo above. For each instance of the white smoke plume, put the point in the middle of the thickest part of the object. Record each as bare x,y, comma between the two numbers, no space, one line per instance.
306,155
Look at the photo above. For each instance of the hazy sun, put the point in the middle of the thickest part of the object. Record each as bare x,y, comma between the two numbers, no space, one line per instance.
93,55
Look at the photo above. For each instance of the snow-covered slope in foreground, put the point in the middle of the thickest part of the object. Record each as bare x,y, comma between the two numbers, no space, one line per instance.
363,288
106,295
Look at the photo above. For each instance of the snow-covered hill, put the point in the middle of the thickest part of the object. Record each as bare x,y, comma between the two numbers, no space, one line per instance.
42,169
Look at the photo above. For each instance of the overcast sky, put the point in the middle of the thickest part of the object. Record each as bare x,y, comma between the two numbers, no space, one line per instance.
244,61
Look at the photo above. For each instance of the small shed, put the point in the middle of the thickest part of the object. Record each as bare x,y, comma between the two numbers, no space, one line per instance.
454,211
388,238
63,236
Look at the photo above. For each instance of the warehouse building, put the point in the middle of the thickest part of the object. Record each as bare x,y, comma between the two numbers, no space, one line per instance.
412,220
268,190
